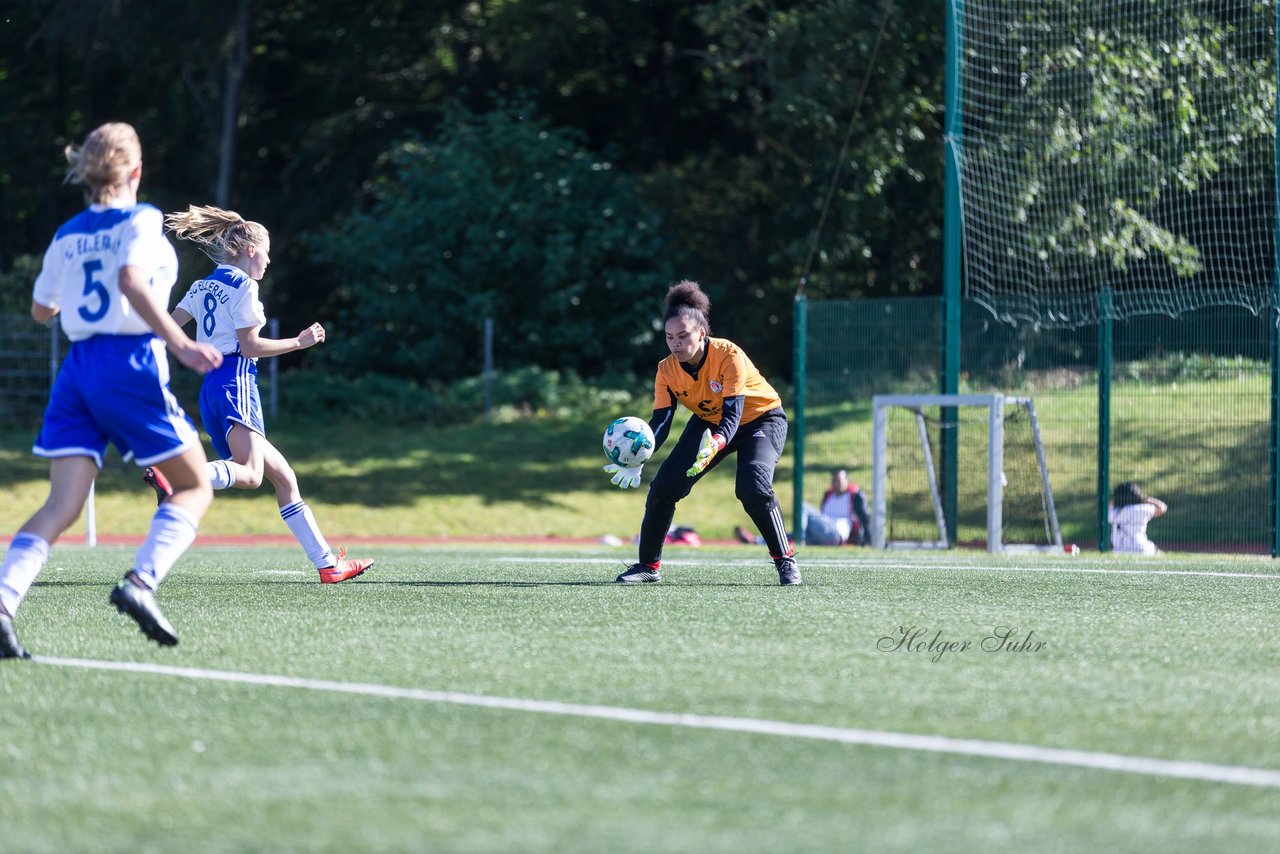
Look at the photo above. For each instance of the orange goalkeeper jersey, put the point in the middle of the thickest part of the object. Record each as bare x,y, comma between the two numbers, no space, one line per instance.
725,372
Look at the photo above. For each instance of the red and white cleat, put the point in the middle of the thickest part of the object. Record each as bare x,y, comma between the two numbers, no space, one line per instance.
344,569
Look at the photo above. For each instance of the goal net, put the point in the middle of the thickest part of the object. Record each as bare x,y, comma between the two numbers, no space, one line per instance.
1116,150
1003,494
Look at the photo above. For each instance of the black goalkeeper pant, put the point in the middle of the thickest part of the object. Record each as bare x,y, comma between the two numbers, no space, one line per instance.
758,445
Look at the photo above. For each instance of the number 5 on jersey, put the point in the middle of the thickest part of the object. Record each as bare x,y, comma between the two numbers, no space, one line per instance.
94,288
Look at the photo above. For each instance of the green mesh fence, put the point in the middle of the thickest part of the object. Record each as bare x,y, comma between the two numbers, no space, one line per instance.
856,350
1125,145
1190,408
906,335
26,353
1190,422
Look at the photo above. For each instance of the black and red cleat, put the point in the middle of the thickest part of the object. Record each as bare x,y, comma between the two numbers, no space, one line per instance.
640,573
155,479
788,572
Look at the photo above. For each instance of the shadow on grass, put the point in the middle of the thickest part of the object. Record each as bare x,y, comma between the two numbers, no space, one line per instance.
493,583
665,585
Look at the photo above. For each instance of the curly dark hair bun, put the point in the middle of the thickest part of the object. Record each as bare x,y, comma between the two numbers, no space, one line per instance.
689,294
687,299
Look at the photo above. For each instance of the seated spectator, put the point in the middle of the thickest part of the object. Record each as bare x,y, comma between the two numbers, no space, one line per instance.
845,505
841,519
1130,511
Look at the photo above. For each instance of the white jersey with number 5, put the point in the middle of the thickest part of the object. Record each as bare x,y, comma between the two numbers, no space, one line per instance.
221,303
81,272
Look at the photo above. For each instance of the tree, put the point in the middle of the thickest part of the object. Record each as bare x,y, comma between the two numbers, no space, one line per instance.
786,77
500,215
224,120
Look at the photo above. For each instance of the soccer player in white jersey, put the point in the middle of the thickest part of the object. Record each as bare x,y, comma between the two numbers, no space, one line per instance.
108,273
229,316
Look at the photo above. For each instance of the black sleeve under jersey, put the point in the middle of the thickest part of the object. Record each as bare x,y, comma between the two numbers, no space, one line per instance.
660,424
730,417
660,421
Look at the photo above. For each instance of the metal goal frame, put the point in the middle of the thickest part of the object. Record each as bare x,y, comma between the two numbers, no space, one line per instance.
995,404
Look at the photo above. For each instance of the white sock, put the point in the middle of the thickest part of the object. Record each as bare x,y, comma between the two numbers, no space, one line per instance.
173,530
303,525
27,556
221,475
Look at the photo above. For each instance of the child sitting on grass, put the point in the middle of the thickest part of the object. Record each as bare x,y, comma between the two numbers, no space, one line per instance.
1129,513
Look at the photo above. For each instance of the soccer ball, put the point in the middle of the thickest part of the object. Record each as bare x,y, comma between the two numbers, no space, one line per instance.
628,442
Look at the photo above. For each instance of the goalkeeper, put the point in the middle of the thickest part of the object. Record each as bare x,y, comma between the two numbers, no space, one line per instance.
734,409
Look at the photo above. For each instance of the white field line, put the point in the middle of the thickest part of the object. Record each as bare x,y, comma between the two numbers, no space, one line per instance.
1186,770
923,567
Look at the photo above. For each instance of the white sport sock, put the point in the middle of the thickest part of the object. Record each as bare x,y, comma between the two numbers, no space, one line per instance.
173,530
221,475
27,556
303,525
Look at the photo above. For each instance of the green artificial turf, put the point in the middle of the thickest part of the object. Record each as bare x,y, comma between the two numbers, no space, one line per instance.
1165,659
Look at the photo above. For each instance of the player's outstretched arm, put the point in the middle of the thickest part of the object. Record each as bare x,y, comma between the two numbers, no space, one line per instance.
255,346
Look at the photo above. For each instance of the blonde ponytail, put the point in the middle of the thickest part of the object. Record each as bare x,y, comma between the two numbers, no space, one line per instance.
222,235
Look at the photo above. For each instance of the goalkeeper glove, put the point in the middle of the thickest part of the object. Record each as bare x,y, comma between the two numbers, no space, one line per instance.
623,477
711,444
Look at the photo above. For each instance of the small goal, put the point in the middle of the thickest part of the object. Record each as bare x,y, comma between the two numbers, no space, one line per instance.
1003,494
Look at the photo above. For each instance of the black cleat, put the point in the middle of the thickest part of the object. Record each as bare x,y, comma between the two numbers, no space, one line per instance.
638,573
155,479
9,645
788,572
133,598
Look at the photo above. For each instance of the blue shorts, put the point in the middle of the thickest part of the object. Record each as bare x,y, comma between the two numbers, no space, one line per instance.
228,397
115,389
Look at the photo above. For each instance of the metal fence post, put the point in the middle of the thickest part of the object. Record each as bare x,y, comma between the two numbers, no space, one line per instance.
53,352
800,344
1274,492
488,367
1104,418
1273,497
952,263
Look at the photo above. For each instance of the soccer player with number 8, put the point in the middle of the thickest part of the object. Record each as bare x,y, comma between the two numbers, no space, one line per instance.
735,410
229,315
